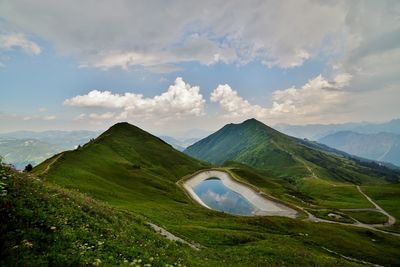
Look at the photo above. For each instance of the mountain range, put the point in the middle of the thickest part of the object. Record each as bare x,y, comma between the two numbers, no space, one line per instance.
27,147
127,174
381,146
318,131
259,146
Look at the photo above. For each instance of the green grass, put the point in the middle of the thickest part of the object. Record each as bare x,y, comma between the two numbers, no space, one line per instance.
333,195
46,225
137,173
261,147
324,214
369,217
388,197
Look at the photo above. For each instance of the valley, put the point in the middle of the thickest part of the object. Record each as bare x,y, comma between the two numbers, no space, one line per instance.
121,169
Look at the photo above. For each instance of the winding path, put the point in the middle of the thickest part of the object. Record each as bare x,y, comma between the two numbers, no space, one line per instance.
54,160
390,222
172,237
391,219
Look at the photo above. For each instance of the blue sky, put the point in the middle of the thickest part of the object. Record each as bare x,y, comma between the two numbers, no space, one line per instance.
183,66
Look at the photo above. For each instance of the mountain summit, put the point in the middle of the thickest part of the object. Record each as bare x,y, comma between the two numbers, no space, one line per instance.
260,146
123,165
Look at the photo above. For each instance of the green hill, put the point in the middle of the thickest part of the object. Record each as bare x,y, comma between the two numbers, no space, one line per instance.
123,165
46,225
257,145
135,173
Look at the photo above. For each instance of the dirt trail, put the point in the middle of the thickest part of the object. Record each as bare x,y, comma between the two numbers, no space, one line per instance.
390,222
171,236
50,164
391,219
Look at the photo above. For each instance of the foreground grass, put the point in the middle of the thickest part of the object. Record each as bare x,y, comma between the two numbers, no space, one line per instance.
135,172
44,225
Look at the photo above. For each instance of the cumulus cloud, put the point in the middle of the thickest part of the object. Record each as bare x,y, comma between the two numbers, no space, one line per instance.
234,105
316,98
180,100
18,41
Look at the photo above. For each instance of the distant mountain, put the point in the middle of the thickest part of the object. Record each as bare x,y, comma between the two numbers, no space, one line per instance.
179,143
381,146
318,131
21,152
64,139
24,147
257,145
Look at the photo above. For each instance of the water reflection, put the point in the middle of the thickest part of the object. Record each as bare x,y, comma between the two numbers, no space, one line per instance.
219,197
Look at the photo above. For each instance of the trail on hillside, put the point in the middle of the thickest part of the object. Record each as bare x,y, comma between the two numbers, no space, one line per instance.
50,164
391,219
172,237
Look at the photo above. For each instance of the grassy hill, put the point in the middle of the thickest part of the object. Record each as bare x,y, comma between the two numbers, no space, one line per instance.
46,225
257,145
136,173
124,165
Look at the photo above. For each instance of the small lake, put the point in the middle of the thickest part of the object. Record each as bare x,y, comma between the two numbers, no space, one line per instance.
219,197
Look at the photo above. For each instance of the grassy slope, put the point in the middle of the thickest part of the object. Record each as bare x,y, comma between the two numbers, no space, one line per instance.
88,233
123,165
291,169
46,225
108,169
388,197
255,144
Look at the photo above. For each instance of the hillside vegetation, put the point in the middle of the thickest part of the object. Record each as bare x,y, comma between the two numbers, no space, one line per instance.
135,172
46,225
257,145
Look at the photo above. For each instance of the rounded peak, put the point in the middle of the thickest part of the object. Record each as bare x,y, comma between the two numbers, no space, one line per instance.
252,120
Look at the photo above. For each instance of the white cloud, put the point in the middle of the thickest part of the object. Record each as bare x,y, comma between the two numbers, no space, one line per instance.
318,96
277,33
179,100
315,99
18,41
195,48
103,116
234,105
43,118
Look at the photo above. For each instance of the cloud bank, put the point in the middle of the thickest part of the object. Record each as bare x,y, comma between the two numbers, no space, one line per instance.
157,34
317,98
180,100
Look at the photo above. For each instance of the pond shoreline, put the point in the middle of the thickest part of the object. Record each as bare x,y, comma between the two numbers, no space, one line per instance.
263,206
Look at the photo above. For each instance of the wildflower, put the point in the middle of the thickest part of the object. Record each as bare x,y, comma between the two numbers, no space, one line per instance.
97,262
27,244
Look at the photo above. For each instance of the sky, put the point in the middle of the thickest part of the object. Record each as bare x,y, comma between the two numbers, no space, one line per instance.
172,66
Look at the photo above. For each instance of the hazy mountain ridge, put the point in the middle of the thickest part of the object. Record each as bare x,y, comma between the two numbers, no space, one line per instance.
318,131
23,147
179,143
381,146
